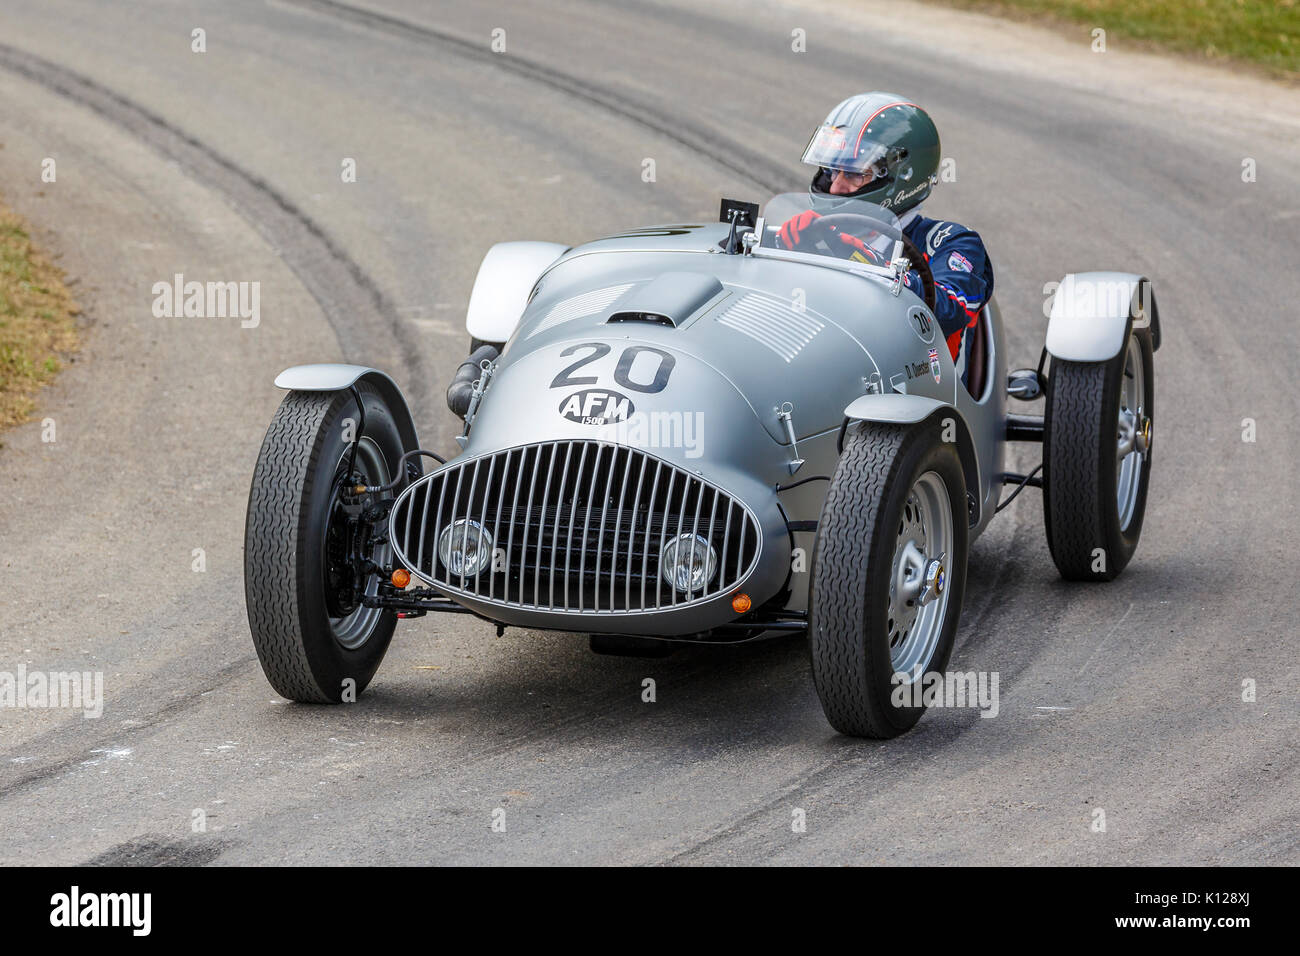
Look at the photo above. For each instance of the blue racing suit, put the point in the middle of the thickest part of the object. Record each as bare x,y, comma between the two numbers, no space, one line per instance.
963,275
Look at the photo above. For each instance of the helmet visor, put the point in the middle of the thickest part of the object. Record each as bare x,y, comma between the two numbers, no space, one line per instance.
844,149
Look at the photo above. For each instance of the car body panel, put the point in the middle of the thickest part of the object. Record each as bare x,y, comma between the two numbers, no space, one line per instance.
711,353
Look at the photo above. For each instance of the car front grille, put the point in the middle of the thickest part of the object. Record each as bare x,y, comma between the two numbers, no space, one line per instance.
576,526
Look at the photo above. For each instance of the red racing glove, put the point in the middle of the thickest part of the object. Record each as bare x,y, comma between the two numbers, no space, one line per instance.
866,253
789,232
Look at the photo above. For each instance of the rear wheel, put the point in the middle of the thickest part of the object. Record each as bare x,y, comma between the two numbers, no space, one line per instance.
888,574
305,541
1097,459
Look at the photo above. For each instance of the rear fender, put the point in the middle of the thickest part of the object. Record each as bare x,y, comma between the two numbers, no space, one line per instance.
1091,311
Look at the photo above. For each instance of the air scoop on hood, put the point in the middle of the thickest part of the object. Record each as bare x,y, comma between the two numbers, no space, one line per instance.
669,299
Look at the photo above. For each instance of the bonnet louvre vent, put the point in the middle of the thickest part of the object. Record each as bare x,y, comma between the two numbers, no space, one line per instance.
772,323
589,303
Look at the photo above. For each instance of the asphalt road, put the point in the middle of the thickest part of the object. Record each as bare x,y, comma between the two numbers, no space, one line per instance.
226,165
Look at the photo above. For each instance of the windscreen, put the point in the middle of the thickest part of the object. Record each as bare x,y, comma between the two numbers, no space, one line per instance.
837,226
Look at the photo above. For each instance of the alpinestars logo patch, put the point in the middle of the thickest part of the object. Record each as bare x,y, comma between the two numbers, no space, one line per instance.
940,233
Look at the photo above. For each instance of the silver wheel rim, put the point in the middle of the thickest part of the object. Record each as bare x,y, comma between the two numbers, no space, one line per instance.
355,629
917,607
1134,434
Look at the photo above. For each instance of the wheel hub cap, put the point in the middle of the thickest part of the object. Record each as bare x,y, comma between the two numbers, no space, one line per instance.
1134,434
919,575
935,578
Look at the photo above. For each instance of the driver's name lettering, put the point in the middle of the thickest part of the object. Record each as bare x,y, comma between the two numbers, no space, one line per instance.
887,202
917,369
594,406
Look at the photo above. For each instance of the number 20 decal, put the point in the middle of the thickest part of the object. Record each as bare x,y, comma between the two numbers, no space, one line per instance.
622,371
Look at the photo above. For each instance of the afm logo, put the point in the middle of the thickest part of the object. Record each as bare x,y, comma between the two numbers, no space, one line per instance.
596,406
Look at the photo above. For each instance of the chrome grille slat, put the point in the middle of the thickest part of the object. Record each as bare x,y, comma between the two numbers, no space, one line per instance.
631,534
514,506
456,510
410,513
424,514
532,486
663,535
713,513
695,529
541,528
740,545
496,517
645,551
555,526
586,525
681,513
437,525
611,509
604,510
726,537
568,531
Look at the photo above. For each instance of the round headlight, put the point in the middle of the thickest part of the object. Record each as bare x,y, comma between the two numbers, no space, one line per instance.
465,547
688,562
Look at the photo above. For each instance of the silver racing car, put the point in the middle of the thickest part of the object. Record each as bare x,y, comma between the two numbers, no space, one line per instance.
688,433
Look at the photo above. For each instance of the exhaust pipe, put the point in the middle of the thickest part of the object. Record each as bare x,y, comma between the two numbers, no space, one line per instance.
461,388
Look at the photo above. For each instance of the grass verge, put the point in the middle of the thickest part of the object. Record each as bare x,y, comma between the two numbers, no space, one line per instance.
38,326
1263,33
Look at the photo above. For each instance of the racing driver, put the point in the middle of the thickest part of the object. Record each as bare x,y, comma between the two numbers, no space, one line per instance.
881,148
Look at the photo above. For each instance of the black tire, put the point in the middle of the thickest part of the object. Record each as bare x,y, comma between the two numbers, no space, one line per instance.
475,344
285,560
1085,532
852,566
629,645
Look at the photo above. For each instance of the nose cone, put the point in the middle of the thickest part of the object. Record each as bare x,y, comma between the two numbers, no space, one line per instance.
629,391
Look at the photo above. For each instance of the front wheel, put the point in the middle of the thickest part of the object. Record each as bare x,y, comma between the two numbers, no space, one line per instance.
888,574
306,543
1097,459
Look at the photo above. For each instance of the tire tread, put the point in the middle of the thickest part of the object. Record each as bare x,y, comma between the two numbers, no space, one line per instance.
840,565
271,540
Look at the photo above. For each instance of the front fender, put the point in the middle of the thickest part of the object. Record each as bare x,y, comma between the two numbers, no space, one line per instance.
1091,312
894,408
505,278
333,377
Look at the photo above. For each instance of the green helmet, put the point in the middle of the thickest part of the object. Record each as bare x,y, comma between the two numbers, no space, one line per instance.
882,133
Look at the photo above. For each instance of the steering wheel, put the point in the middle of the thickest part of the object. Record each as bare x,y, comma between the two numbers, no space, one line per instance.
847,221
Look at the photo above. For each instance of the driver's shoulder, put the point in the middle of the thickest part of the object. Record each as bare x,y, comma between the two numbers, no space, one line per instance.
932,234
